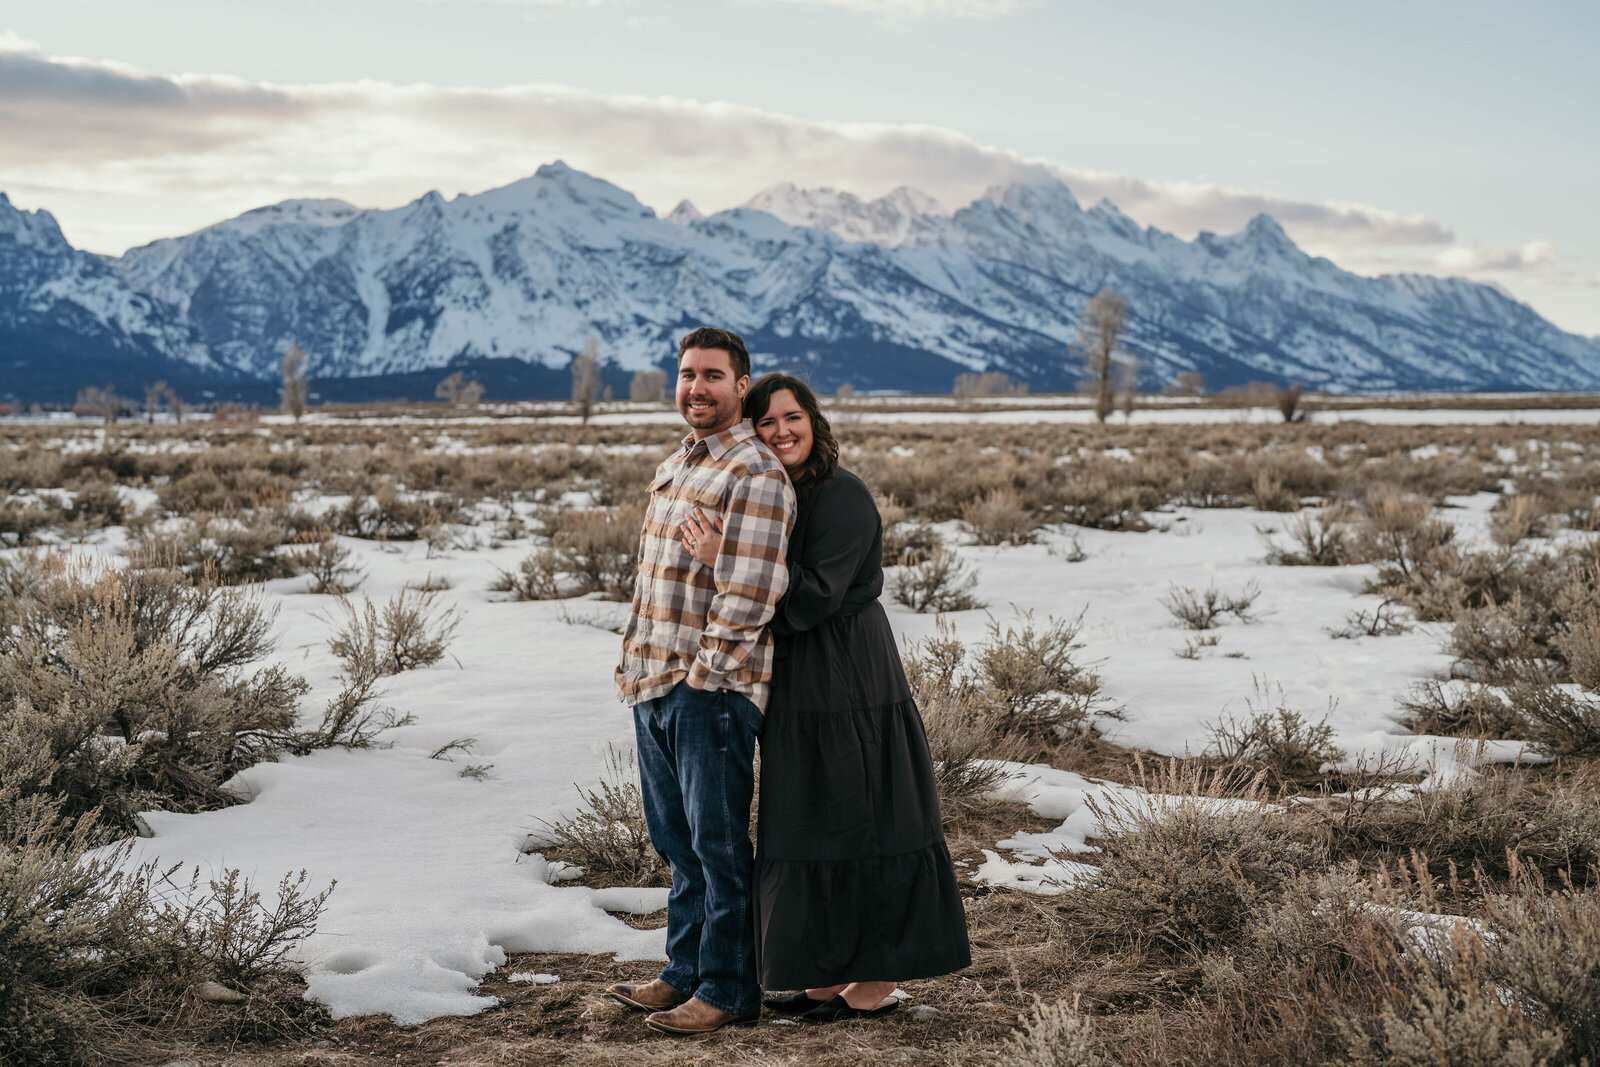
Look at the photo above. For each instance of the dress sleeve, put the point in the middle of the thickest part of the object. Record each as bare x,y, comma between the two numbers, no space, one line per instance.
841,534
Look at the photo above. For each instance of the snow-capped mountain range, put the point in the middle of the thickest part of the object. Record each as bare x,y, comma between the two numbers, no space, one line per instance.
893,293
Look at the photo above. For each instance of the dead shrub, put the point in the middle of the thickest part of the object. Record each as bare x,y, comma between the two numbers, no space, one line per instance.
1451,1019
1519,516
1545,950
227,483
1053,1035
389,515
938,584
1468,711
1101,499
228,550
91,956
1267,493
1000,518
1183,869
132,684
537,577
1322,540
1480,993
607,835
1031,681
327,561
1379,622
21,521
1561,723
1399,532
909,543
1274,739
410,631
963,737
1200,611
598,549
96,504
1483,821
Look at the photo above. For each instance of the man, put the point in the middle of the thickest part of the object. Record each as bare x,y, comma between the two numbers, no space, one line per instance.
696,666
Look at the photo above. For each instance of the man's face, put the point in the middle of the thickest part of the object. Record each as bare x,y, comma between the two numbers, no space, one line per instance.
708,394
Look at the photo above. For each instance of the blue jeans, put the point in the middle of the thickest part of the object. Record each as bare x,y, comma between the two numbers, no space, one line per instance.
696,765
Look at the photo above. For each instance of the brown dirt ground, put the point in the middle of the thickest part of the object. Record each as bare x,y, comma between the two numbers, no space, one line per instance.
1017,955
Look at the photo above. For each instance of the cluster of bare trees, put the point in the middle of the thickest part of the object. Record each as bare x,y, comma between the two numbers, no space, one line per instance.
458,390
646,386
989,383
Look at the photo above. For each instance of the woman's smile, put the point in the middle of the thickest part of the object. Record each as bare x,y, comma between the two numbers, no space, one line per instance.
786,428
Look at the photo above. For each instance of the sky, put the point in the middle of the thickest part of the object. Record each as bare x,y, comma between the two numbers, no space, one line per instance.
1448,138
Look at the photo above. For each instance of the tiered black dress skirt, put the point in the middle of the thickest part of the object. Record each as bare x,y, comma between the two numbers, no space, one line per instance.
853,879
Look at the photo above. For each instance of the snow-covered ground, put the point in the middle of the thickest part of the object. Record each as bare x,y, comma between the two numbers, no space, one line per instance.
433,886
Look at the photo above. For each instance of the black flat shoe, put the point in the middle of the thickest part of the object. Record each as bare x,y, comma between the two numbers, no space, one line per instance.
839,1010
795,1005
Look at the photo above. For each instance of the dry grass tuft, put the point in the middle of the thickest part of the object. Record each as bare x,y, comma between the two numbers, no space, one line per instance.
410,631
938,584
607,835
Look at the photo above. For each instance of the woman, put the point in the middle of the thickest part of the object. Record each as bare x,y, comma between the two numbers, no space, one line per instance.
854,886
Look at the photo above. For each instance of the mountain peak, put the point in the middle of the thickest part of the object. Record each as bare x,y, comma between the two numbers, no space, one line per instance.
579,187
1040,199
685,213
894,219
1264,229
37,227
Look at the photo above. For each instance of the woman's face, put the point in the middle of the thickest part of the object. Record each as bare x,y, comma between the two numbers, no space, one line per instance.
786,428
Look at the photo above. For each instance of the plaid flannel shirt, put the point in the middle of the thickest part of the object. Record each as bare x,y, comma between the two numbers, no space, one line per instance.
709,624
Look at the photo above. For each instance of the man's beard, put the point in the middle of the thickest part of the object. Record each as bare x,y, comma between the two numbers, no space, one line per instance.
716,415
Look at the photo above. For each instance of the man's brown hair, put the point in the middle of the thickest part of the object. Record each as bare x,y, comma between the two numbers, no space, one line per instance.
727,340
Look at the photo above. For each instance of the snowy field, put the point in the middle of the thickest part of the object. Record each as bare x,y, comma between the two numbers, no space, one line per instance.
435,880
433,886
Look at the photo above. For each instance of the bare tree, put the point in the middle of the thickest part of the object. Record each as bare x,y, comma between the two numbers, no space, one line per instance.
158,394
1187,383
1289,403
1099,346
989,383
94,400
845,391
458,389
152,400
586,378
295,386
648,386
1128,374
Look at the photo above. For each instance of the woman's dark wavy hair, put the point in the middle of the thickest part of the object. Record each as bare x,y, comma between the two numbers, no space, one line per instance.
824,458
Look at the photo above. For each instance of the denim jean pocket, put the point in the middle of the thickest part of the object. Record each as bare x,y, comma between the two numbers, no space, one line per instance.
744,711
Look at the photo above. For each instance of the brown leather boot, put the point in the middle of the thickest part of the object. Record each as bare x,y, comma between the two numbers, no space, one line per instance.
654,995
695,1016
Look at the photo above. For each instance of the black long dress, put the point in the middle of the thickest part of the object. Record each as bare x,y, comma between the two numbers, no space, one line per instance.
853,878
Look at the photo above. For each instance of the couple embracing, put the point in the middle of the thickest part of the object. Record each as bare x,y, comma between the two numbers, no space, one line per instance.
756,614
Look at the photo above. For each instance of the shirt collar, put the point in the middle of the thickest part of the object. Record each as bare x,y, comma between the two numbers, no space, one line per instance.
718,445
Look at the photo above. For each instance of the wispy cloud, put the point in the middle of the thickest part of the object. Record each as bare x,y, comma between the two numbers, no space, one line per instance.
891,10
103,145
916,9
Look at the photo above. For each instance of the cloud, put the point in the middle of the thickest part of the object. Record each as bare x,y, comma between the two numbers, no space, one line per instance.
11,41
893,10
913,9
1534,256
102,145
